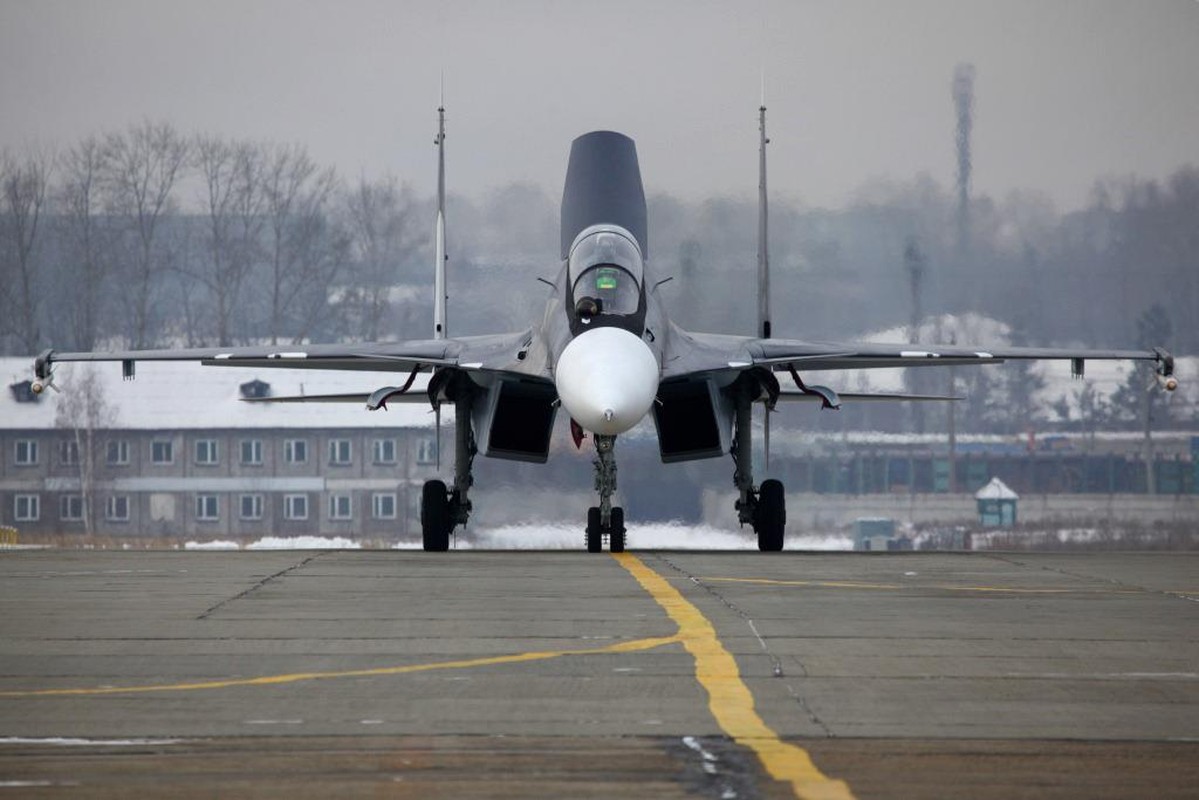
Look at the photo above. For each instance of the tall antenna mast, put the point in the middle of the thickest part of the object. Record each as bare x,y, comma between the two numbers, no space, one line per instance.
763,249
963,102
439,288
763,257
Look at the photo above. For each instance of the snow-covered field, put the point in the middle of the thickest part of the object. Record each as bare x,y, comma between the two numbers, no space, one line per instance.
664,536
280,543
562,536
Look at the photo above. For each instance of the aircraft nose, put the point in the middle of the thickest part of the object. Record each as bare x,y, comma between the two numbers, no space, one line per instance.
607,379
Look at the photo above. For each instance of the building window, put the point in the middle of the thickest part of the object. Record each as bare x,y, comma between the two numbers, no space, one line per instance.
340,507
118,452
206,452
383,505
207,509
426,451
26,452
116,509
251,506
68,453
162,452
70,507
27,508
339,451
251,452
295,506
295,451
385,451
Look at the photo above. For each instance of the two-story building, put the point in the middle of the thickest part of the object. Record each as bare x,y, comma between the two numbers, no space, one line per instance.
178,452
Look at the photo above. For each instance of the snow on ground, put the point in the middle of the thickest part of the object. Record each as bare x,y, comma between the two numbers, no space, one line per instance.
663,536
556,536
70,742
985,540
280,543
304,543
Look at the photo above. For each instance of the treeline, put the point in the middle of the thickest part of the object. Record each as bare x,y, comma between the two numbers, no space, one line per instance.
1081,277
151,237
148,237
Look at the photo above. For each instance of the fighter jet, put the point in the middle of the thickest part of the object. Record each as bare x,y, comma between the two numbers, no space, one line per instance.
606,352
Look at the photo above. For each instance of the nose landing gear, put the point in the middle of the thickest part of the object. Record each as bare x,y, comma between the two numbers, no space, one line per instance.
604,520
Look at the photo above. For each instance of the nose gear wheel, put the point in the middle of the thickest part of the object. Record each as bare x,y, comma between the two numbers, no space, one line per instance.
605,521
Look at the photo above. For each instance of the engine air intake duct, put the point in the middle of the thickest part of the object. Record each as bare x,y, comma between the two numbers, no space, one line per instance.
518,421
689,420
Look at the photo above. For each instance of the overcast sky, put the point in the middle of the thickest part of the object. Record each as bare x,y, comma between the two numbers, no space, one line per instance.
1066,90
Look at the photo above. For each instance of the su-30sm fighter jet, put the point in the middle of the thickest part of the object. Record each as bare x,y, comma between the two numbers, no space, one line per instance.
606,352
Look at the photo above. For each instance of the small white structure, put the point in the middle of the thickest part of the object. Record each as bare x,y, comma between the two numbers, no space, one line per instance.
996,504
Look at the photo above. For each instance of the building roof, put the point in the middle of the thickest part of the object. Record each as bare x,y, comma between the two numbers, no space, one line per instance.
169,395
996,490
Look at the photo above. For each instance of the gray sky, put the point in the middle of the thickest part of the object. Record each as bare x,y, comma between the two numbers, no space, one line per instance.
1066,90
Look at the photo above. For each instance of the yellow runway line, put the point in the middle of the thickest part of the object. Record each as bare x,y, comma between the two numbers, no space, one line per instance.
729,699
913,586
275,680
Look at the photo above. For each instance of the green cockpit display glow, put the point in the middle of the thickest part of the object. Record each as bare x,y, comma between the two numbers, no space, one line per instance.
605,279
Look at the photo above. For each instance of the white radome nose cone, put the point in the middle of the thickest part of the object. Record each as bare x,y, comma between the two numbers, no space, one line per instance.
607,380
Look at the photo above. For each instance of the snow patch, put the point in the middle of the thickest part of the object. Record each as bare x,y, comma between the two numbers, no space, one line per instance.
656,536
304,543
71,742
214,545
280,543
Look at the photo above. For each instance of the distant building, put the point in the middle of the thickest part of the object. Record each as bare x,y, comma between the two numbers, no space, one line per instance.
996,504
176,452
878,534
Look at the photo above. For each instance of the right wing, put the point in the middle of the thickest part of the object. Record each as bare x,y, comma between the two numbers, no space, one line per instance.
697,353
495,354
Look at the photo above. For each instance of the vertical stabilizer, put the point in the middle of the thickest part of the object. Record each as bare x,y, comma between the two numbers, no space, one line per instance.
603,185
763,256
439,288
763,247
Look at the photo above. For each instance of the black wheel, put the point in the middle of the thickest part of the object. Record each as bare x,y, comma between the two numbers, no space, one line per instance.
435,517
616,535
595,534
770,518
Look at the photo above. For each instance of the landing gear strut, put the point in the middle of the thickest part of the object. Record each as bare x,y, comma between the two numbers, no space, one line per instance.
442,510
766,507
604,520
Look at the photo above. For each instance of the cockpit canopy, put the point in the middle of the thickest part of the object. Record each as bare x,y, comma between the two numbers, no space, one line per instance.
606,266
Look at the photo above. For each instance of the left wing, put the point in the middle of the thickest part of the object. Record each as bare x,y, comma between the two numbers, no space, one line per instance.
696,353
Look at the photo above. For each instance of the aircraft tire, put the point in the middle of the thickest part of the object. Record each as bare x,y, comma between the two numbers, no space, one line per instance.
616,535
595,533
435,517
770,519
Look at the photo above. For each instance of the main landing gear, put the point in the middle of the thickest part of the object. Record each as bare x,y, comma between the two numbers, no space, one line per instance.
766,507
604,520
442,509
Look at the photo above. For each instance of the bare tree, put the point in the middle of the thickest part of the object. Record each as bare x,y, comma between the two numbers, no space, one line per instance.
304,253
142,167
23,181
233,196
84,410
383,236
86,243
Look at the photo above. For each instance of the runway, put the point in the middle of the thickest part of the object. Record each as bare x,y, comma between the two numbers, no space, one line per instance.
550,674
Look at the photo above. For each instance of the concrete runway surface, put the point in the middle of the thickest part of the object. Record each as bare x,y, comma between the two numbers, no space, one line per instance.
561,674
